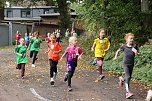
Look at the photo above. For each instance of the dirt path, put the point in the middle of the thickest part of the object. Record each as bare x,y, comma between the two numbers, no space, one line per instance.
36,86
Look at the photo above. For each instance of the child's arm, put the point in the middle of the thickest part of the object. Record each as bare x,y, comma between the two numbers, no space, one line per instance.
57,52
62,56
59,49
92,48
107,48
47,50
80,56
116,54
19,54
108,44
80,53
16,51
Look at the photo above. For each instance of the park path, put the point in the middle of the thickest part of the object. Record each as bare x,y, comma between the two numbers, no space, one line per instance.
12,88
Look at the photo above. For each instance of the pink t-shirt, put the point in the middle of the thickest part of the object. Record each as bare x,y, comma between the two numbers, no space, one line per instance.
73,53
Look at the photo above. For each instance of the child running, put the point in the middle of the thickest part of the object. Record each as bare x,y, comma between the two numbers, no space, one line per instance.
67,34
21,57
100,46
47,39
18,36
130,50
27,39
53,54
73,53
34,47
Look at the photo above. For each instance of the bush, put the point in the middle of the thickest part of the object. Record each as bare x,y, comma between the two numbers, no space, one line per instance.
143,65
143,62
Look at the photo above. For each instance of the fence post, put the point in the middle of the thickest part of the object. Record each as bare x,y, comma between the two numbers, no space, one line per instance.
10,33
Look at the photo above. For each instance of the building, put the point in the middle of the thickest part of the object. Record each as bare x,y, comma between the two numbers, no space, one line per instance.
18,13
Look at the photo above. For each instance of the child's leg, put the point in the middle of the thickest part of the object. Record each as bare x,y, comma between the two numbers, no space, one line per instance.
31,54
128,72
22,69
53,68
70,75
35,55
100,62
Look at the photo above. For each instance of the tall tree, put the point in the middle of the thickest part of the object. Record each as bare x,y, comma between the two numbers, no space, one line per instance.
2,3
64,14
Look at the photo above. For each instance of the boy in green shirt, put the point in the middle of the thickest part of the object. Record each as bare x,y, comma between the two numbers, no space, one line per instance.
21,57
34,47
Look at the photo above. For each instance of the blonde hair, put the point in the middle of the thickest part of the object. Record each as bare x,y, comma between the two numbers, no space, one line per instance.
127,35
72,38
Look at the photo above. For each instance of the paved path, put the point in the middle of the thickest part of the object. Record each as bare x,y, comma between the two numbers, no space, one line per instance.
12,88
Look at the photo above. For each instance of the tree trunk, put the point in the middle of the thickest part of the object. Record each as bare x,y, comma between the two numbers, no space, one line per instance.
64,15
144,5
2,13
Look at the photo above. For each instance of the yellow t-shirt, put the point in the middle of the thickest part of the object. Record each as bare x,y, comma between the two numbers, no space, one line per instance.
101,46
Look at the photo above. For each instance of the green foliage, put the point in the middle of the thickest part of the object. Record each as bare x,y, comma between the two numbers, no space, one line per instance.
143,64
118,16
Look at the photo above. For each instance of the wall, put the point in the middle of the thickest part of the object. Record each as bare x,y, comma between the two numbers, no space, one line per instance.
8,31
4,36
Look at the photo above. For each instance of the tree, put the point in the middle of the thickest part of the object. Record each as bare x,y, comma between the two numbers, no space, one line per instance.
2,3
118,16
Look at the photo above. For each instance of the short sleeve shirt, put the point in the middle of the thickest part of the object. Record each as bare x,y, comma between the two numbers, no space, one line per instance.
101,46
21,50
35,44
73,53
51,55
129,54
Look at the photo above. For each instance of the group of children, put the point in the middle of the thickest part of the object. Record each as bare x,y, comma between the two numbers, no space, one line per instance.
20,50
73,53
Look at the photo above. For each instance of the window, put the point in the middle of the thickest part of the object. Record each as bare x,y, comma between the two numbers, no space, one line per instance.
46,11
25,13
9,14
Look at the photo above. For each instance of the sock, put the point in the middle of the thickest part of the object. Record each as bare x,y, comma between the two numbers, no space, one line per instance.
52,79
127,87
54,75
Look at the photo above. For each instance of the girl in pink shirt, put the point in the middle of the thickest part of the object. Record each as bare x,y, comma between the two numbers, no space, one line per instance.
73,53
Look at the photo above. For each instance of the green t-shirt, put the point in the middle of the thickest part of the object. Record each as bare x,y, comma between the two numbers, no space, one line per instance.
21,50
35,44
67,34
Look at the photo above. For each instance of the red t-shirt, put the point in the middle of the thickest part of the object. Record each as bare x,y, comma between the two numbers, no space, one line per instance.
47,40
18,36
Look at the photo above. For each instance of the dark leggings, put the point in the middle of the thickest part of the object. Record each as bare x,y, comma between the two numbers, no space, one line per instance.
22,67
34,57
70,75
128,72
53,67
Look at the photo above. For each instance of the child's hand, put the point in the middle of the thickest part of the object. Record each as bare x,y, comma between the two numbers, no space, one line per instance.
60,59
115,58
79,57
19,54
55,52
92,49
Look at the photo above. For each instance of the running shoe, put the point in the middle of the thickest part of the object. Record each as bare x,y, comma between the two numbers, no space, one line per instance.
33,65
102,76
69,89
65,77
128,95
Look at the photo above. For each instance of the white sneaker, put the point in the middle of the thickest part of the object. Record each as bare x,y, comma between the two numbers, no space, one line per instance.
52,82
33,65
